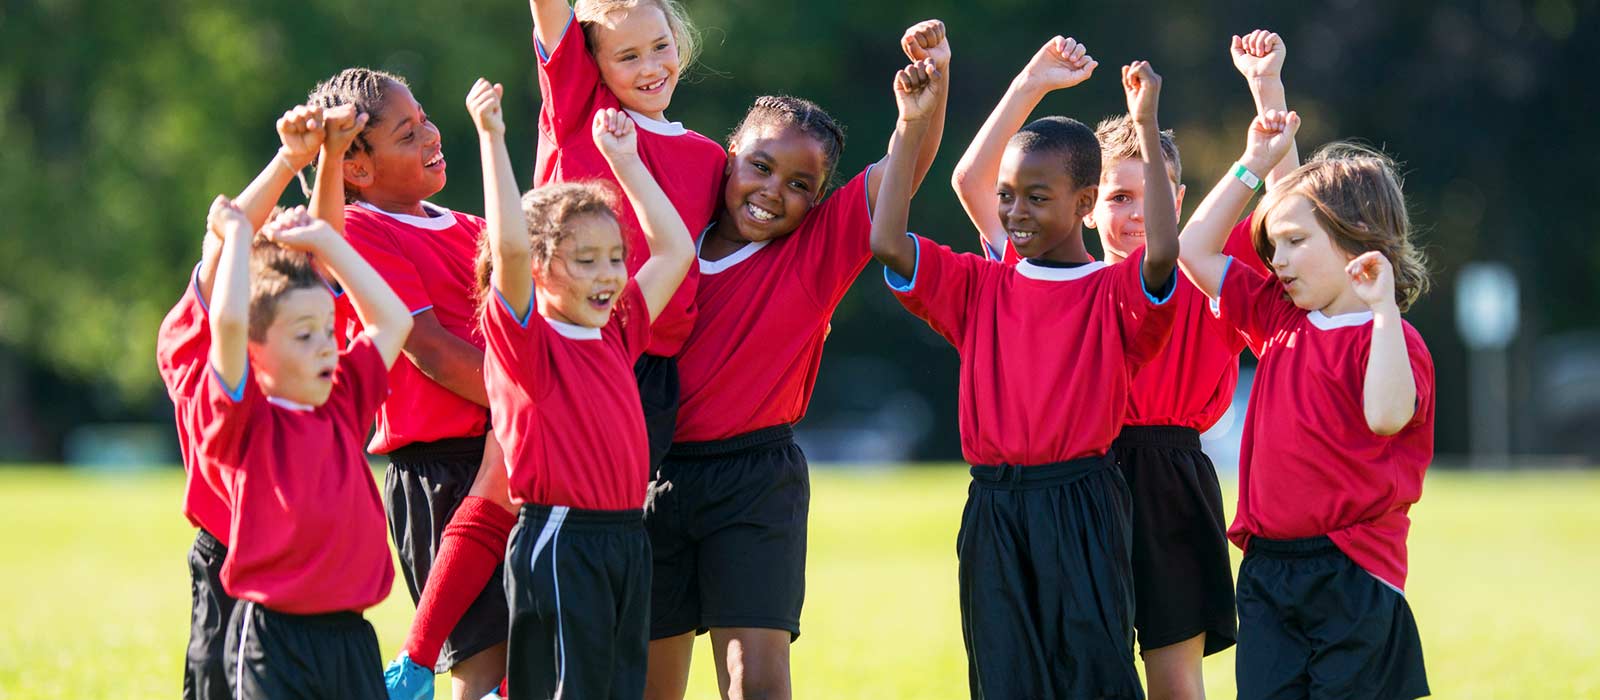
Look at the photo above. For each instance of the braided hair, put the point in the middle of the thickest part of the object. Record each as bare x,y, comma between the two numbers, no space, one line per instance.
797,113
366,89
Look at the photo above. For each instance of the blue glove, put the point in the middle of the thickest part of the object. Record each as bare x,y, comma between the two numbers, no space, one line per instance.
408,681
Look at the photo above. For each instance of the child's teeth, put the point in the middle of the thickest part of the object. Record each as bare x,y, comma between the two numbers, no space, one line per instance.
760,214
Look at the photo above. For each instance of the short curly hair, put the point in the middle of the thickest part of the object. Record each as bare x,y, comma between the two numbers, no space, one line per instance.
1068,138
547,211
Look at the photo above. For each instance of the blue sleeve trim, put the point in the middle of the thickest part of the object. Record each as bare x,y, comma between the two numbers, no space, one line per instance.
989,251
523,320
866,191
1224,279
338,291
544,56
901,284
1164,294
194,281
418,311
235,393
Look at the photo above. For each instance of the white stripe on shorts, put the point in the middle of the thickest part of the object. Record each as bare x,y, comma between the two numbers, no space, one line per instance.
244,637
548,535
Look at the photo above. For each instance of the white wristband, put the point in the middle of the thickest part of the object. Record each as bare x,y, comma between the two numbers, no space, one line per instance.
1245,176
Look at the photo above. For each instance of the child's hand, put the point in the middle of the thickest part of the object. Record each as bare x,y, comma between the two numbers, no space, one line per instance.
226,218
614,134
342,125
297,230
916,92
1372,276
300,130
1060,63
483,103
926,39
1271,135
1258,54
1143,88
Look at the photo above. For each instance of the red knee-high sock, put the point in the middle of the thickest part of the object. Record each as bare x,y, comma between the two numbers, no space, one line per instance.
472,545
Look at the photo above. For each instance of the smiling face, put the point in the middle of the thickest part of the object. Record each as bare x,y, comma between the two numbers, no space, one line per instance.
1039,207
296,357
776,173
1118,214
1306,260
638,58
404,162
586,275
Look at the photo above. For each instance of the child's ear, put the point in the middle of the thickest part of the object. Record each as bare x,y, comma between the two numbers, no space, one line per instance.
358,170
1177,198
1086,199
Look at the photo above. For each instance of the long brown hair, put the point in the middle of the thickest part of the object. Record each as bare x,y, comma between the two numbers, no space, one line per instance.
546,211
1355,193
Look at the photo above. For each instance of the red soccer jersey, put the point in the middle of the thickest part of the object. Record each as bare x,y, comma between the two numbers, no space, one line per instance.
1190,382
308,531
566,405
1045,352
1309,465
429,262
183,349
752,359
687,165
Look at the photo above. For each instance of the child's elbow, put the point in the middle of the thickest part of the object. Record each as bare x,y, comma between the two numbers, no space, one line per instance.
1388,421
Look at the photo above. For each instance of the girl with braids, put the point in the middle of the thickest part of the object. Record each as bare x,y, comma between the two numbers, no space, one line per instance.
728,527
564,325
381,160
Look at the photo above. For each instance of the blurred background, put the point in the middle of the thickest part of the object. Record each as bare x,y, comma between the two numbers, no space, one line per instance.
120,121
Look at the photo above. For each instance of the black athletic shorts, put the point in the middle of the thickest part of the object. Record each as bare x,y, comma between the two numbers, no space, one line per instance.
204,677
1182,579
423,486
1312,624
1046,582
658,392
579,586
273,655
729,535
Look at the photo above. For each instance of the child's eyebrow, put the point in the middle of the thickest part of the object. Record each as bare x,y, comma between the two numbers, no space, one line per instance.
400,124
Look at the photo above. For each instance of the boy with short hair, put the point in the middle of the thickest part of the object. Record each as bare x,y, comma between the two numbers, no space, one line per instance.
282,416
1047,347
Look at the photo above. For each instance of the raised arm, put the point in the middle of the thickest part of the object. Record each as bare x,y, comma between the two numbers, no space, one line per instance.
671,248
1143,88
915,93
384,318
1259,57
1203,238
924,40
229,315
341,125
550,18
1060,63
1389,392
510,249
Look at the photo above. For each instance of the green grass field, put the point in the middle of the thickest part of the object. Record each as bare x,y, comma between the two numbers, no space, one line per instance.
94,594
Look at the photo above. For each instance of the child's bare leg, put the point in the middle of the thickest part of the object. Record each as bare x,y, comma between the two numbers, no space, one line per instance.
1173,672
667,676
474,677
752,662
490,483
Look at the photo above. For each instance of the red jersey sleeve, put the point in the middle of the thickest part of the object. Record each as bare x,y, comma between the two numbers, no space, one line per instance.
629,327
1254,304
378,246
360,383
1241,247
941,288
568,81
184,342
224,416
836,242
518,344
1144,315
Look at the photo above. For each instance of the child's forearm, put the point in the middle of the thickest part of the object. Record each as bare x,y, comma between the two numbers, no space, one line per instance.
979,167
327,193
550,18
384,317
1389,393
930,144
890,244
229,314
1268,93
509,244
258,199
1161,216
1201,243
671,249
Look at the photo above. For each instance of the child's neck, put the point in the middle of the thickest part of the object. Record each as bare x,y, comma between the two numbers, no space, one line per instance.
1071,250
396,206
722,240
1346,303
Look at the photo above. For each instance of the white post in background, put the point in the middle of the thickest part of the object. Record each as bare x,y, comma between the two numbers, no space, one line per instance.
1488,305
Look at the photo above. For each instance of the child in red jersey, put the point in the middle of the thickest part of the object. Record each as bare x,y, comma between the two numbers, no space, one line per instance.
284,414
628,55
1047,347
181,350
564,327
376,175
1183,581
1340,426
729,537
